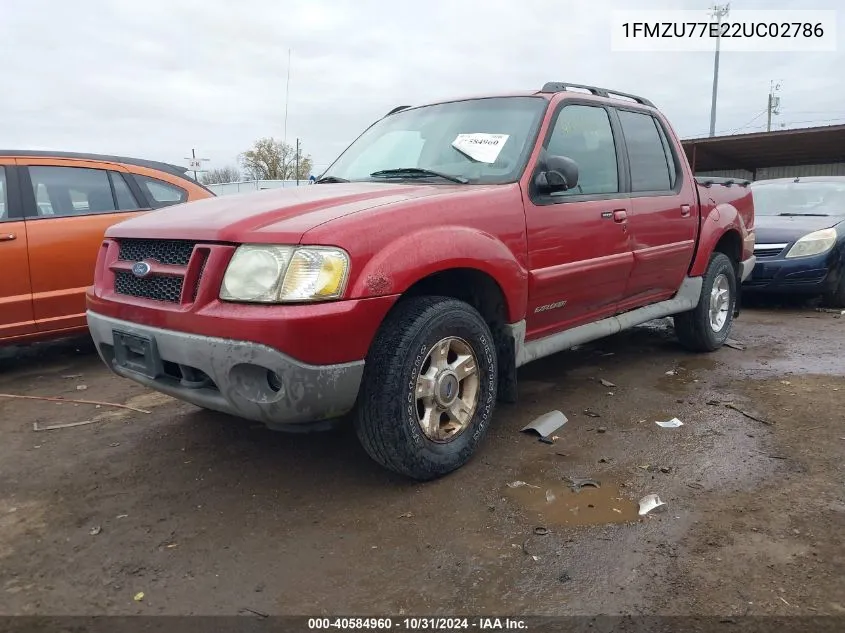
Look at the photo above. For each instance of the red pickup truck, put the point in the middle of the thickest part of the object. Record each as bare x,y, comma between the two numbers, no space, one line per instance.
448,245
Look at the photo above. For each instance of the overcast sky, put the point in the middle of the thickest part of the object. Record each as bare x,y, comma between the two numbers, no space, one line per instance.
154,79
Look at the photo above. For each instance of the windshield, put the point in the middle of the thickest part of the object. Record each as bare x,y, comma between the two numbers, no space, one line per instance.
476,141
799,198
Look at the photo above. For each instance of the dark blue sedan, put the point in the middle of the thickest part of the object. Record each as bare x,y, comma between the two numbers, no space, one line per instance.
800,238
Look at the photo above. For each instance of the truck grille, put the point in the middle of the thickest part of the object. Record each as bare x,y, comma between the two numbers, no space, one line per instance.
158,288
170,252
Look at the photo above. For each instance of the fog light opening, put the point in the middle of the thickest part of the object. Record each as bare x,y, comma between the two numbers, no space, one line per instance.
274,381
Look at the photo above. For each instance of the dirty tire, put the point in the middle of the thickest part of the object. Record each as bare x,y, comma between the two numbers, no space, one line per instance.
836,297
386,414
693,328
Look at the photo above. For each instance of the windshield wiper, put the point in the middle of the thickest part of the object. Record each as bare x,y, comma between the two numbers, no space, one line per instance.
801,215
330,179
416,172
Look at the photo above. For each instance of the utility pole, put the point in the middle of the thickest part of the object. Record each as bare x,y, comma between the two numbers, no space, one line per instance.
718,11
287,94
774,103
194,156
297,162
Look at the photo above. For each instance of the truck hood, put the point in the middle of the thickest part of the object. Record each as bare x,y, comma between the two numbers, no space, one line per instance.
277,215
776,229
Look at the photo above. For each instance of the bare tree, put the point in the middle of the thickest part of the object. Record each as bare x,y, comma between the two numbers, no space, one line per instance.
229,173
270,159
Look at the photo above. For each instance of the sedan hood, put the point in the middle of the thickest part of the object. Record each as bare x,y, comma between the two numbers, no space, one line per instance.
774,229
278,215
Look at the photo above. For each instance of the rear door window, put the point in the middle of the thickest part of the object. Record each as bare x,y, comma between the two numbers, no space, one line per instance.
646,153
160,193
71,191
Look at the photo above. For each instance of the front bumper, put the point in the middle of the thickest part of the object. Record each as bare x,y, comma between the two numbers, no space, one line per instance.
803,275
240,378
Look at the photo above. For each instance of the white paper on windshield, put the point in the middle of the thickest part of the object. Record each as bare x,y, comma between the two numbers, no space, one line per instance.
484,148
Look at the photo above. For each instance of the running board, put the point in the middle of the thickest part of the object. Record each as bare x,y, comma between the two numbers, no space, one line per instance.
686,299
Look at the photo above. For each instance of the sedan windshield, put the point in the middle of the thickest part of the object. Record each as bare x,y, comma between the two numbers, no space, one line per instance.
799,198
473,141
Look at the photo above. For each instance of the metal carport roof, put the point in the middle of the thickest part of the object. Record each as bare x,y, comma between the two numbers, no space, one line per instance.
803,146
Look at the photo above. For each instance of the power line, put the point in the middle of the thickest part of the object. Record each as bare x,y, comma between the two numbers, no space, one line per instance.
754,118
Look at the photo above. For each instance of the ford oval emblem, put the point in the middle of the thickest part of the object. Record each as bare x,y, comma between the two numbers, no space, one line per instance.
141,269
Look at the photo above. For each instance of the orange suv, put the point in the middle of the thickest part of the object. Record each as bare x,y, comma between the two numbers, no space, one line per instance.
54,210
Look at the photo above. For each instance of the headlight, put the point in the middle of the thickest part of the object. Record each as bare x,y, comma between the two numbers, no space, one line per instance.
277,274
813,243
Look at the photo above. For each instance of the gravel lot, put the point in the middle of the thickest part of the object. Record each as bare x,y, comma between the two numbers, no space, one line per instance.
207,514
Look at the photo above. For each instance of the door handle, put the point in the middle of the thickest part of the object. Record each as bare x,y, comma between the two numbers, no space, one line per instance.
620,215
7,237
685,210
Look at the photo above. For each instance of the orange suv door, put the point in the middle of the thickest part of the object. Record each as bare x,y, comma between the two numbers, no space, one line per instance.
16,316
69,204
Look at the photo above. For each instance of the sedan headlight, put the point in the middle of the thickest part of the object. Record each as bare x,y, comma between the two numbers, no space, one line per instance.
261,273
813,243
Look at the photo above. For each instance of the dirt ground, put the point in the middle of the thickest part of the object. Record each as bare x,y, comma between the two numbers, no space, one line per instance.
206,514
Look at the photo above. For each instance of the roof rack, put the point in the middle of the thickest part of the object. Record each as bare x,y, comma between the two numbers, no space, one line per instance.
561,86
397,109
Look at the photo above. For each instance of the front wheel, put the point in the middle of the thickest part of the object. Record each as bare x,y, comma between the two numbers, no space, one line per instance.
429,388
836,297
706,327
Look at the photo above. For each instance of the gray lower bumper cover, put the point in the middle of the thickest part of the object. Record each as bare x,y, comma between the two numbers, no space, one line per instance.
239,370
746,266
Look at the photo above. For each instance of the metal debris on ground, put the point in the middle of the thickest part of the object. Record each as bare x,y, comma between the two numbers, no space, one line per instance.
751,416
406,515
550,496
94,531
650,503
671,372
81,387
66,425
520,484
60,400
735,344
138,596
541,531
606,383
591,414
546,424
577,483
674,423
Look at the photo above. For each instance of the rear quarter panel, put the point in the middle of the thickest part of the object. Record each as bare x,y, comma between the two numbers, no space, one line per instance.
723,209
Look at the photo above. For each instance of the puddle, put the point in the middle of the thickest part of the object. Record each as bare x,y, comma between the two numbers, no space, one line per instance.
591,506
684,374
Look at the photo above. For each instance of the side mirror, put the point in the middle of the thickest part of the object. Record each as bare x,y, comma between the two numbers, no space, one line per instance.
559,174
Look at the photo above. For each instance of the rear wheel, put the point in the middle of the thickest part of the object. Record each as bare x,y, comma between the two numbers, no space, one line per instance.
429,388
708,325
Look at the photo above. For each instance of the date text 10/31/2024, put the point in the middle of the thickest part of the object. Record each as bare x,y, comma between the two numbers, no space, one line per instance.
418,624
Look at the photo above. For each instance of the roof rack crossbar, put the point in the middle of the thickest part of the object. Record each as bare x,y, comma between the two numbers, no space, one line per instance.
561,86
